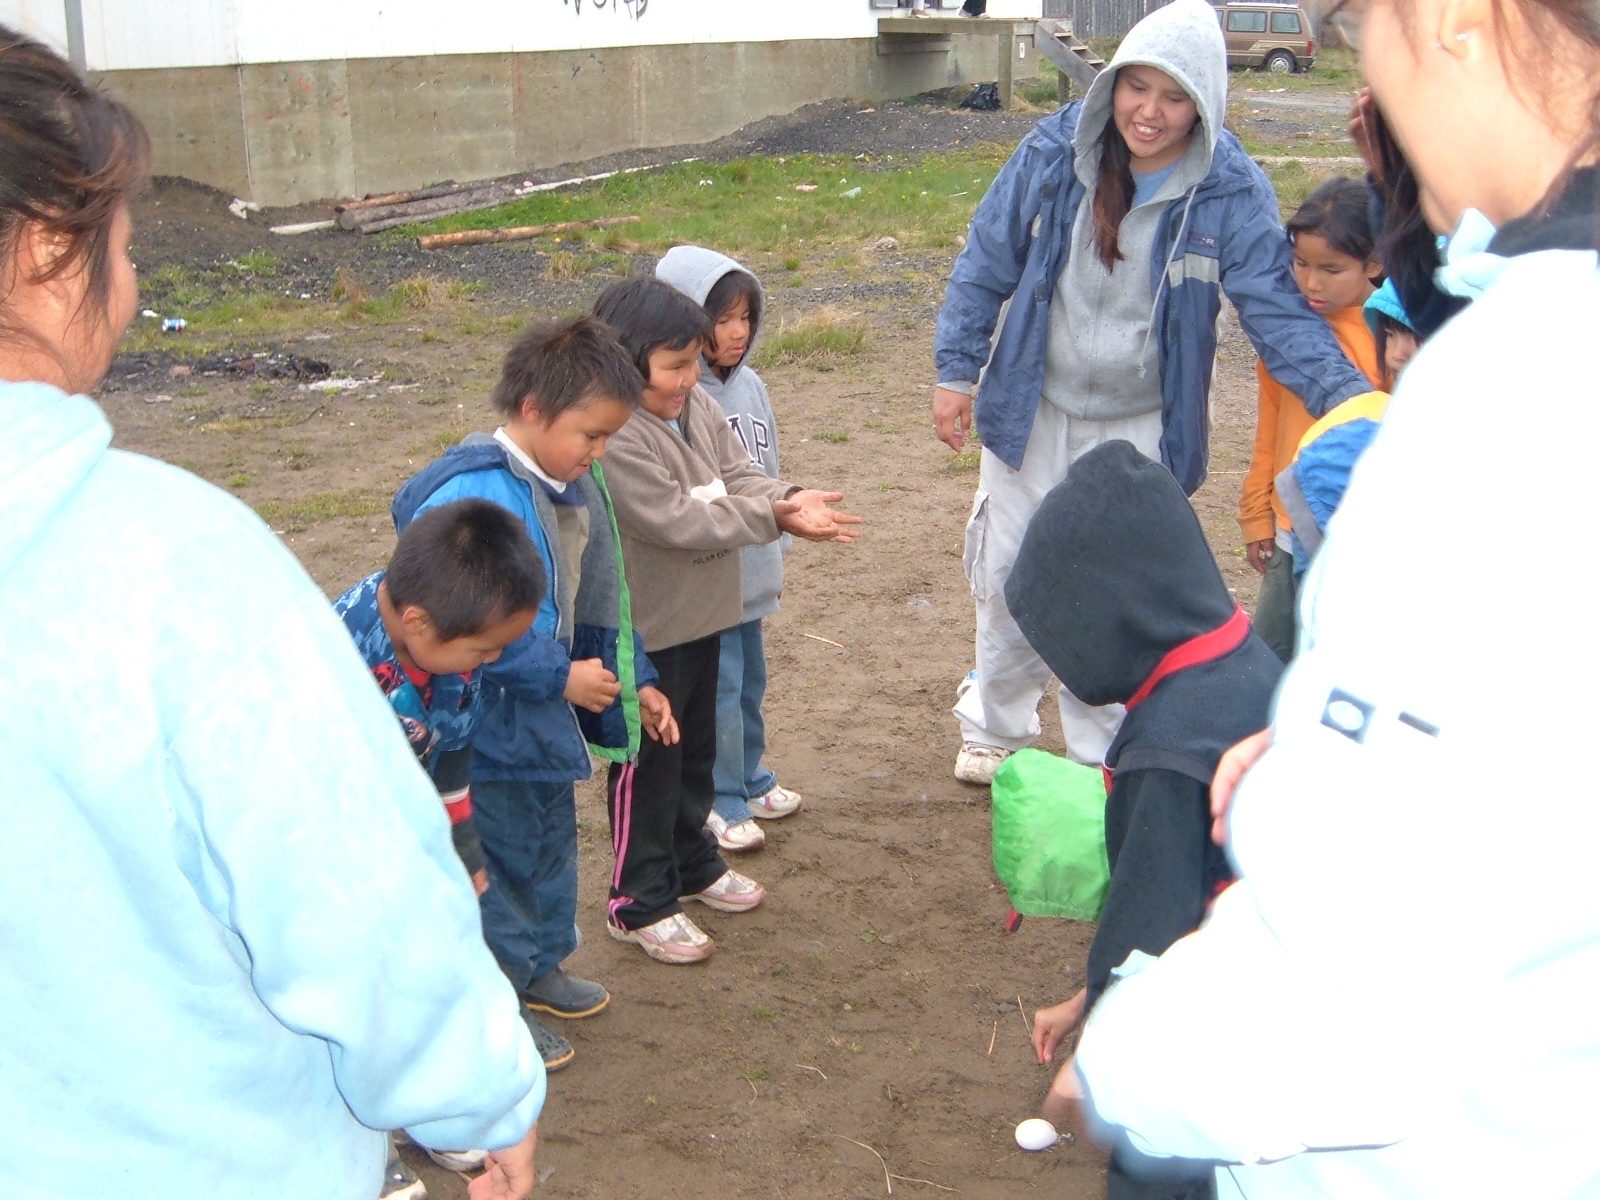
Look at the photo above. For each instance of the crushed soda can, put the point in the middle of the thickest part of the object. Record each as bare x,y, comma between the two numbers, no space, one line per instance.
174,325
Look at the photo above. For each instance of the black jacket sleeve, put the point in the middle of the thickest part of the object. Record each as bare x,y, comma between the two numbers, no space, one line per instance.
1164,868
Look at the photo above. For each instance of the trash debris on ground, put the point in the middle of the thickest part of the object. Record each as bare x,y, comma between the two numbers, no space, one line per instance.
983,98
243,208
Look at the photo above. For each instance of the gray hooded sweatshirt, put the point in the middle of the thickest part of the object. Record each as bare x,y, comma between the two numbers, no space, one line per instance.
1101,360
694,270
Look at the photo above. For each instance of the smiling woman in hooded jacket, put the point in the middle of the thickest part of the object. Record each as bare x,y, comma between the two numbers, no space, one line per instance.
1102,252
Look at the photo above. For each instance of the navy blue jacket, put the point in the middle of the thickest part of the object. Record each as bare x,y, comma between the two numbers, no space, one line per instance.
1233,242
529,732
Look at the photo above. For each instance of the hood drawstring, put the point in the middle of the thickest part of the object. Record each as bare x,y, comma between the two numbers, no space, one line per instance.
1155,303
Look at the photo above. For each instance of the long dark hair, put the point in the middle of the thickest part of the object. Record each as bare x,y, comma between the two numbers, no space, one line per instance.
1340,213
1113,195
70,157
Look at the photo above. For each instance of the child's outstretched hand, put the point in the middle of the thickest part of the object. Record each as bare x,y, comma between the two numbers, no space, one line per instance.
1235,761
1052,1025
590,685
655,714
806,514
510,1172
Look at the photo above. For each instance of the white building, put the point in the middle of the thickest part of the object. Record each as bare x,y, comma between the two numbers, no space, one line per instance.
283,101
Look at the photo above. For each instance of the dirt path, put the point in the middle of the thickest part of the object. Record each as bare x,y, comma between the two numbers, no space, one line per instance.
860,1003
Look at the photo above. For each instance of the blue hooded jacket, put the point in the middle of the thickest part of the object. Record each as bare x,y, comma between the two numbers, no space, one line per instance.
1223,236
529,732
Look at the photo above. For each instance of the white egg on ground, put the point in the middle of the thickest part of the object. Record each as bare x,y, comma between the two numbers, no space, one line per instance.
1036,1134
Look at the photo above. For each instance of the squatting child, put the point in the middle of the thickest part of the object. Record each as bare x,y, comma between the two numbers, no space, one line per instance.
746,788
580,674
1335,263
1117,590
687,499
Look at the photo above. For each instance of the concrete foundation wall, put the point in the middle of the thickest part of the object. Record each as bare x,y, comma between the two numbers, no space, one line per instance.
286,133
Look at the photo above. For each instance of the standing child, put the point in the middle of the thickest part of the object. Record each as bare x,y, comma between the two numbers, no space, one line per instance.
462,584
1313,485
687,498
578,675
1335,262
733,299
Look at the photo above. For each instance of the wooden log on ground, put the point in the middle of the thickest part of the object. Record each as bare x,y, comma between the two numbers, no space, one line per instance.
438,189
409,214
481,237
481,195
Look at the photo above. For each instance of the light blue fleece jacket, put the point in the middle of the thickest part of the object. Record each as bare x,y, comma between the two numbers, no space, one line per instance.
1396,1001
235,938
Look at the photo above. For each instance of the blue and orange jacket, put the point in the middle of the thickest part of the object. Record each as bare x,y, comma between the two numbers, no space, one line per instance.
1311,487
529,732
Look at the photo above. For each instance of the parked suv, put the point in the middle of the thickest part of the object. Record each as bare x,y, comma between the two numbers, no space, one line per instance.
1270,35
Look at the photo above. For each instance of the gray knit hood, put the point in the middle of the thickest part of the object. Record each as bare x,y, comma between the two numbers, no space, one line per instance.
1184,39
694,271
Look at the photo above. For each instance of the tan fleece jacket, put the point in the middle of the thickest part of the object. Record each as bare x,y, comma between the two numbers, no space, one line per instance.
686,505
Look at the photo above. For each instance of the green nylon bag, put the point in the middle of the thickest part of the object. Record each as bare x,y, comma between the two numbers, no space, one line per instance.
1050,835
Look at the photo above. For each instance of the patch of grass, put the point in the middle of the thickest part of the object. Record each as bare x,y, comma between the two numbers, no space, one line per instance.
1337,68
1043,93
753,205
565,266
855,1047
822,336
261,388
762,1013
323,506
257,264
915,1045
966,460
791,263
420,291
346,287
194,389
177,287
817,957
831,435
446,438
758,1076
297,458
462,289
240,479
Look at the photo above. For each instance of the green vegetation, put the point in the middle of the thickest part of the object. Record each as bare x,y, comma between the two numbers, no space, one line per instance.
257,264
822,336
752,204
831,435
758,1076
293,515
762,1013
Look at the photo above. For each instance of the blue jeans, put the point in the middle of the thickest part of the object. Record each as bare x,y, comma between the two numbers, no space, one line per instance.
741,730
530,837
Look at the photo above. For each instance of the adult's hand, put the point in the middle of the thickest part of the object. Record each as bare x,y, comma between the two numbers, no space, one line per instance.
510,1174
952,416
1362,109
1235,761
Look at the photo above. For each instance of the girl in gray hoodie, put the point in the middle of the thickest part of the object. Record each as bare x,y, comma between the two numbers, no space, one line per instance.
746,788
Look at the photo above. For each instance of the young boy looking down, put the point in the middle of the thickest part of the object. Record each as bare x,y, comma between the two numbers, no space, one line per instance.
578,675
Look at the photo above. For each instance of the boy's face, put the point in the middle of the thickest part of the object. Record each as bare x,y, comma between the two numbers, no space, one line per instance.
458,656
731,338
566,446
1398,347
672,374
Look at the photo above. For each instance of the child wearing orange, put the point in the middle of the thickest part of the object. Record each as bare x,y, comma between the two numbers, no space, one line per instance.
1335,263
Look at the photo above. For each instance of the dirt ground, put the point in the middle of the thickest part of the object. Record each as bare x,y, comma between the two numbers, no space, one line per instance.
875,998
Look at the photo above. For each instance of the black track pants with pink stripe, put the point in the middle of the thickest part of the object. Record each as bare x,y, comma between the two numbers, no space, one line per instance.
659,805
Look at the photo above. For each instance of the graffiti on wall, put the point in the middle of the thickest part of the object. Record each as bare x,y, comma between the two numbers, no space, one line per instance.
633,8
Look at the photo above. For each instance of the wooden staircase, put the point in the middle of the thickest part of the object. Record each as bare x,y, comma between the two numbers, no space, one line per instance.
1076,62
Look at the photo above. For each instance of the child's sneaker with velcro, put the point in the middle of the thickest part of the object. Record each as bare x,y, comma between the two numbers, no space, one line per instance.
733,893
674,939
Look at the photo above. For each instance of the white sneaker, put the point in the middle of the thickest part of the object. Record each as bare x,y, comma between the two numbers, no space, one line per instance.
400,1182
738,837
732,893
779,802
459,1161
977,763
674,939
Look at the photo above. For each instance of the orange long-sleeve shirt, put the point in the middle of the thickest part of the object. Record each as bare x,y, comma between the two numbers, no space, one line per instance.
1282,420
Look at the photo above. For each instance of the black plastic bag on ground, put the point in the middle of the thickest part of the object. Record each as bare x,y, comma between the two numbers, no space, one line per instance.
983,98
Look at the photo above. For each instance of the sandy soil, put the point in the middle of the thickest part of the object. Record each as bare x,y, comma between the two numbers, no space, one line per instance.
875,997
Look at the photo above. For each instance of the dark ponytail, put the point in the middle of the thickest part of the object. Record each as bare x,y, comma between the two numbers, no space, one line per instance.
70,156
1113,195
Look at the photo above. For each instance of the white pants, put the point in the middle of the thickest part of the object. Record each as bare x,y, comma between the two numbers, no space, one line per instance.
999,704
